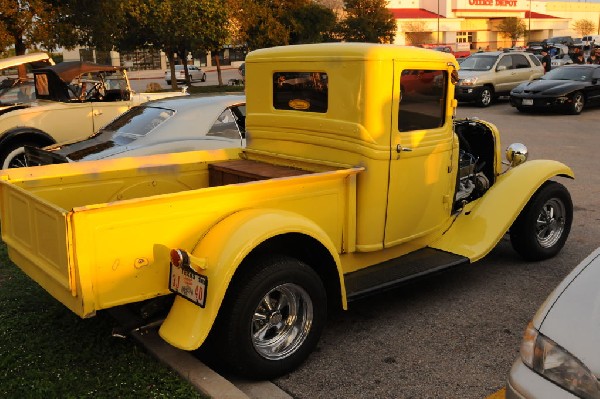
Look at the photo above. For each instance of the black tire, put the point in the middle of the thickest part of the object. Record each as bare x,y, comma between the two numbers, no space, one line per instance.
203,78
543,226
486,97
264,342
523,110
168,82
577,103
12,155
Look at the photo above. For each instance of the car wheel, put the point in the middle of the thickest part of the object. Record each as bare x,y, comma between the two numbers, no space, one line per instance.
203,78
271,319
577,103
523,109
486,97
542,228
168,82
13,155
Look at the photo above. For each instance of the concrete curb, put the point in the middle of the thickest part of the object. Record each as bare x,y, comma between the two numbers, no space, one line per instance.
203,378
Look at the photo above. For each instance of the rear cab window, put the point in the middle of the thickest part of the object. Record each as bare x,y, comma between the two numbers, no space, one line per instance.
301,91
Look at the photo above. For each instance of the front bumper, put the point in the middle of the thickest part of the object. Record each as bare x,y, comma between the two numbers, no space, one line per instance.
559,102
467,93
524,383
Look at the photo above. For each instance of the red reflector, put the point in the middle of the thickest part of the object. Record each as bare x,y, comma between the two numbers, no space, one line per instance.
176,257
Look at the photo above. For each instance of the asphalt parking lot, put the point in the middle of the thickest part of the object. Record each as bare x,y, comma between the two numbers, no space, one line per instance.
456,334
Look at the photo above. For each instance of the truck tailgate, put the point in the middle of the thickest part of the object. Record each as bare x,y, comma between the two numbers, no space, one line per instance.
36,233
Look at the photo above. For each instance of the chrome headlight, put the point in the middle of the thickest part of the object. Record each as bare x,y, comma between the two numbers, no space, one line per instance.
469,81
548,359
516,154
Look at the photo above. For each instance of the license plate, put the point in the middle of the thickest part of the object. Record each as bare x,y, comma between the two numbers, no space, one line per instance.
527,101
188,284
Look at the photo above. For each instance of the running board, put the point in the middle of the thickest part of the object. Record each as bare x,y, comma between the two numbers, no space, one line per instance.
391,273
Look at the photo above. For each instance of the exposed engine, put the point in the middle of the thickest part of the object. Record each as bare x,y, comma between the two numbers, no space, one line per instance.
476,159
472,183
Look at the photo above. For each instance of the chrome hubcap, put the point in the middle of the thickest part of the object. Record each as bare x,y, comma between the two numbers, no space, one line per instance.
550,223
281,321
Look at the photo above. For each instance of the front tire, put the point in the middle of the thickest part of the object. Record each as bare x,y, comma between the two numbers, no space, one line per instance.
271,319
542,228
203,78
486,96
577,103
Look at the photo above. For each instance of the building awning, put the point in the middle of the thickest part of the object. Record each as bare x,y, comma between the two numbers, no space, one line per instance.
537,15
407,13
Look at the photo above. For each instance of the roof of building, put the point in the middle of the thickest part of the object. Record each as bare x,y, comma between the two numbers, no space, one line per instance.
403,13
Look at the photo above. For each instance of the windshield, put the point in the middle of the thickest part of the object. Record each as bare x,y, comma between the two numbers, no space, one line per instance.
15,91
569,73
135,123
478,63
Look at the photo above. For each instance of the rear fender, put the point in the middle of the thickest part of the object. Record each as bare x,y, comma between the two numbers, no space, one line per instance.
482,223
221,251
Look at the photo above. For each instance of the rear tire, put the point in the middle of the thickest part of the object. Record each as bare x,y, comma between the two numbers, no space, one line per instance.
13,155
542,228
271,319
168,82
203,78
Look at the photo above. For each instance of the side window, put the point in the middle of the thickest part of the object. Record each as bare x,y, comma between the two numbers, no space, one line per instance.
520,61
225,126
596,74
422,99
300,91
505,61
536,61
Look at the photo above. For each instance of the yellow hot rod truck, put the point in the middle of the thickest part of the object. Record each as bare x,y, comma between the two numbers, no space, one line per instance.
356,178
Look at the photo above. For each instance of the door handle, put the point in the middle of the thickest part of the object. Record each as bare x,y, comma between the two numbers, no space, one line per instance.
399,149
97,113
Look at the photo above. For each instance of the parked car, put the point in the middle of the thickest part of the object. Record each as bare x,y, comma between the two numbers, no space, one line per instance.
196,74
559,54
69,101
171,125
566,40
485,76
570,89
560,351
591,41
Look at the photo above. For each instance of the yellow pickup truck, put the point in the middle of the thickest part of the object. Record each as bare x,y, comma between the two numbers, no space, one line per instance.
355,179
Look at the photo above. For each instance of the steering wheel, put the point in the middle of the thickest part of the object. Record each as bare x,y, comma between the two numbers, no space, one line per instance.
97,91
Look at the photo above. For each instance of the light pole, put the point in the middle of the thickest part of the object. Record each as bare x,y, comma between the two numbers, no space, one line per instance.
438,22
529,29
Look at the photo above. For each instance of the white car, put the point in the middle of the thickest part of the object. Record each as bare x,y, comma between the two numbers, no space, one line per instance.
176,124
560,352
196,74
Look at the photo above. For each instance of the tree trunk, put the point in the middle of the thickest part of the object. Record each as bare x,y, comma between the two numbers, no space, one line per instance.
171,58
218,62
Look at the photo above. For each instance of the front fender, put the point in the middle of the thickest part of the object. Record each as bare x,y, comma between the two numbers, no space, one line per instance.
223,249
482,223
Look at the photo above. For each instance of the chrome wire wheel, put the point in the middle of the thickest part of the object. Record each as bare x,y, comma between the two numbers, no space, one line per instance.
550,223
282,321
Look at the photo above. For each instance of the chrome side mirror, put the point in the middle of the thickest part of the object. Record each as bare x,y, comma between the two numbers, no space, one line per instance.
516,154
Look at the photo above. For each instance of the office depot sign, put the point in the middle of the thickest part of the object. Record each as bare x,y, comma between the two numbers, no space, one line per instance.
492,4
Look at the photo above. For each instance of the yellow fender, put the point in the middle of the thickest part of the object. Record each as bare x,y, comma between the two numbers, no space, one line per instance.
482,223
222,250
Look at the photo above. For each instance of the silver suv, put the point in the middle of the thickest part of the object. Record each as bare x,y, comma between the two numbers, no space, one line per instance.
483,77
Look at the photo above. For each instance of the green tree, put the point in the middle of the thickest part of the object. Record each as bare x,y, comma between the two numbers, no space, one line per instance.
584,27
177,27
28,23
367,21
513,28
312,23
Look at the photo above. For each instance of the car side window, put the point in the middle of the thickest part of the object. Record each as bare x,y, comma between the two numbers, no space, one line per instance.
505,61
225,126
422,99
596,74
535,60
520,61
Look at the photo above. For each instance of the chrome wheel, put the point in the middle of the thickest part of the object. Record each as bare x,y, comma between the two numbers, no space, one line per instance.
15,159
282,321
578,103
485,97
550,223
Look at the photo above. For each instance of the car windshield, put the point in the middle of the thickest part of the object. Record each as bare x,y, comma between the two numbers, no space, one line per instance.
14,91
478,62
135,123
569,73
